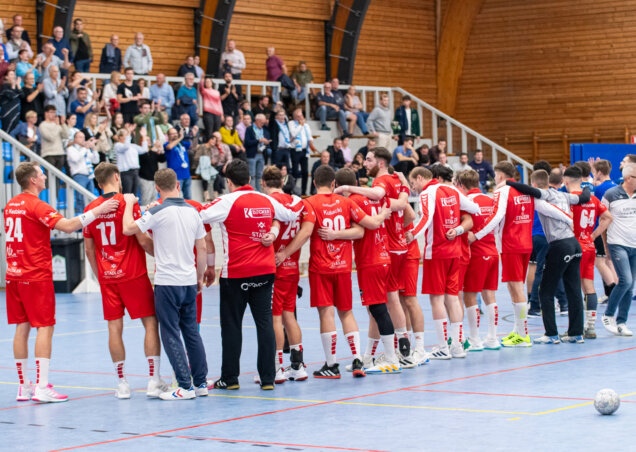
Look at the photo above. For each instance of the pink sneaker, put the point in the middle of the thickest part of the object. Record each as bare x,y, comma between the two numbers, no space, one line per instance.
25,392
48,394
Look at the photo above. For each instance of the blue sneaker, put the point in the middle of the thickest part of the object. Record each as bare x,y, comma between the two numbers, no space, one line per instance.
201,390
547,340
572,339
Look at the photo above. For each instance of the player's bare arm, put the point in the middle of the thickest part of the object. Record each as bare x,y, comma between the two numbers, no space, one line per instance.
373,193
201,261
210,271
269,237
465,225
354,232
146,243
409,215
603,223
129,227
375,221
89,250
302,236
73,224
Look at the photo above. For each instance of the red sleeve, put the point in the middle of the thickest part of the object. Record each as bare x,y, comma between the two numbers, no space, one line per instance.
308,214
357,213
46,214
208,227
136,212
602,208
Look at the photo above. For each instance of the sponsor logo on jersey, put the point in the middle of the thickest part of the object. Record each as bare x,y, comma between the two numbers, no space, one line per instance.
449,201
257,212
521,199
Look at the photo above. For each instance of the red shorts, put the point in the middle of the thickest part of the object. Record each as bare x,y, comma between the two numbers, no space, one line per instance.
463,267
410,272
514,267
332,289
372,282
199,306
31,301
482,274
136,296
396,277
587,264
284,299
441,276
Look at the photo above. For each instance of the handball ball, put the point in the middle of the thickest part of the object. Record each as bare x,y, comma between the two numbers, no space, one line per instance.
607,401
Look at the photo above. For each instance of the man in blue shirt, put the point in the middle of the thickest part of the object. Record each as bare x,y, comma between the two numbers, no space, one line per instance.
80,106
162,94
483,168
328,109
59,42
404,157
187,98
177,158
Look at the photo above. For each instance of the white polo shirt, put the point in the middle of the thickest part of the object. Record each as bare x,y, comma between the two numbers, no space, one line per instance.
622,229
175,226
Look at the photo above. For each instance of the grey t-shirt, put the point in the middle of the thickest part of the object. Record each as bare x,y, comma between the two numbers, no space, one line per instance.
556,229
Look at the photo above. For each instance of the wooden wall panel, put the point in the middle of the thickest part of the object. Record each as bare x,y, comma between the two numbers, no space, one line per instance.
397,47
550,66
168,30
26,8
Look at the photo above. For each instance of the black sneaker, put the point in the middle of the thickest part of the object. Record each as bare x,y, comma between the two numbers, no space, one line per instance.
228,385
324,128
267,386
330,372
534,314
358,368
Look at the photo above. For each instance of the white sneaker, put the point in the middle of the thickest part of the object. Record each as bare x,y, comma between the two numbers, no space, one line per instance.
48,394
367,362
385,366
406,362
201,390
123,390
299,374
440,353
25,392
623,330
156,388
280,378
179,394
457,351
492,343
610,324
420,357
474,345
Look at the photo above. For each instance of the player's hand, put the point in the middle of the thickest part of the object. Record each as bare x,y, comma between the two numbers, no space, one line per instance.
409,236
208,276
451,234
280,257
471,237
402,178
199,285
152,204
327,234
341,189
106,207
386,212
130,198
268,239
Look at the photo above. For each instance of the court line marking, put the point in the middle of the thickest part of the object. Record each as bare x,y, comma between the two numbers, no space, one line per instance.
587,399
556,410
341,400
278,444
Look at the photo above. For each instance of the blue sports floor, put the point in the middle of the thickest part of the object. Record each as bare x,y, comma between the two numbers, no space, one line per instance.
511,400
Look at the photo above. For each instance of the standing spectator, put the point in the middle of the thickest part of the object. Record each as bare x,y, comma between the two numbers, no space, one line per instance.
187,98
221,156
162,94
144,92
328,108
404,157
379,123
187,67
16,43
47,58
303,142
282,140
128,158
100,133
276,69
483,167
408,119
230,136
301,77
81,106
212,107
340,101
233,60
462,165
353,105
148,118
176,150
621,243
59,42
262,108
77,81
245,110
138,56
71,121
199,72
257,140
32,97
440,147
81,47
128,95
109,96
190,133
52,135
148,166
230,97
17,22
81,157
23,67
110,60
242,126
27,132
10,102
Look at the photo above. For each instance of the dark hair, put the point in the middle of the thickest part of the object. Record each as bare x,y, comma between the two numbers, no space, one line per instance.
541,178
50,108
424,159
585,168
238,172
507,168
406,97
477,150
104,172
263,97
603,166
442,172
324,176
409,138
76,20
573,171
345,176
80,89
22,51
542,164
335,139
272,177
382,154
128,69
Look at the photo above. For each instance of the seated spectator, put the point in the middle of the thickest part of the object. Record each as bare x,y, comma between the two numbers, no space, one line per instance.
110,60
340,101
138,56
462,165
336,157
408,119
187,67
162,94
422,151
435,150
81,106
16,43
176,150
212,107
81,156
187,98
257,148
27,132
128,160
442,160
245,110
199,72
301,77
371,144
328,109
353,105
325,158
483,168
230,98
23,67
425,161
109,96
190,133
262,108
17,22
100,133
405,157
230,136
149,118
358,166
128,95
379,123
55,91
289,181
144,91
346,151
32,97
81,48
242,126
47,58
59,42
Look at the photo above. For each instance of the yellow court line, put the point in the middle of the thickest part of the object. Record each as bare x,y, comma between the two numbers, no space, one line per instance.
265,398
577,405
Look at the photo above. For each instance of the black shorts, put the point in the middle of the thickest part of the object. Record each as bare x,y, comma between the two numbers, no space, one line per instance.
600,248
533,256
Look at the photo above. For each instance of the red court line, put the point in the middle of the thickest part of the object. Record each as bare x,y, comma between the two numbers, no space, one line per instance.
281,444
340,400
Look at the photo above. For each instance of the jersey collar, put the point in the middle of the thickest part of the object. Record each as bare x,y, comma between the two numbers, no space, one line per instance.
432,182
109,195
474,190
245,188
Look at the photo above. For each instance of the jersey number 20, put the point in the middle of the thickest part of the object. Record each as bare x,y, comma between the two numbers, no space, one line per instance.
337,224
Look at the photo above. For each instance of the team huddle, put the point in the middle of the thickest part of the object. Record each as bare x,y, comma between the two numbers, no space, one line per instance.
465,235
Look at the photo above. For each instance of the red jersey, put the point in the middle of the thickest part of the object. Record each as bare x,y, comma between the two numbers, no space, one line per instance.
395,223
486,246
513,212
287,232
335,212
414,247
119,257
584,219
371,249
440,207
28,221
244,216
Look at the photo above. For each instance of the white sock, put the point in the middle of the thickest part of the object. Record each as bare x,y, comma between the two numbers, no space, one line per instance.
409,335
441,326
120,371
456,333
372,346
389,350
419,340
353,339
42,366
590,317
21,367
472,314
521,319
493,319
329,346
279,359
154,362
297,347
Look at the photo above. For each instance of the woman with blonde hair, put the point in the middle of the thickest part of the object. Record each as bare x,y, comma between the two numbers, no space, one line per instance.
110,93
100,134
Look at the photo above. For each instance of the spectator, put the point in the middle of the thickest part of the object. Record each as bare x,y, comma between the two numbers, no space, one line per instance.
47,58
301,77
442,160
408,119
162,94
233,61
4,61
372,143
77,81
353,105
144,92
325,158
32,97
204,150
148,166
117,123
9,102
81,48
199,72
71,121
303,142
128,159
138,56
361,172
109,96
59,42
276,69
336,157
282,140
379,123
289,182
81,106
257,140
212,107
346,151
221,156
405,157
16,43
190,133
110,60
23,67
328,108
340,101
262,108
128,95
100,133
230,136
230,97
81,157
176,150
242,126
27,132
187,98
52,136
245,110
187,67
148,118
17,22
462,165
483,168
439,147
421,152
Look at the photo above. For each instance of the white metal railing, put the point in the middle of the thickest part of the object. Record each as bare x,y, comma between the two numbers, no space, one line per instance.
13,152
466,136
